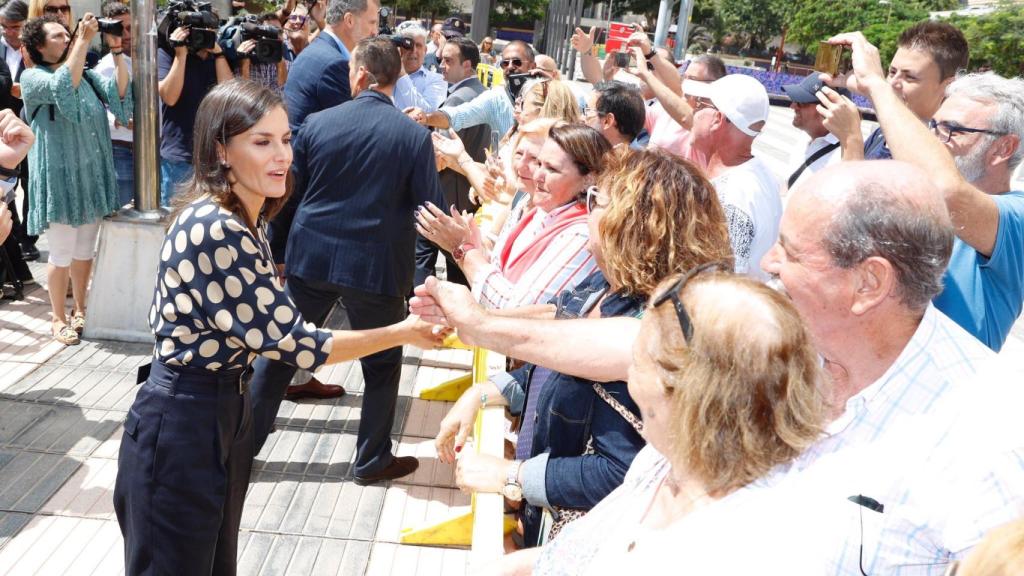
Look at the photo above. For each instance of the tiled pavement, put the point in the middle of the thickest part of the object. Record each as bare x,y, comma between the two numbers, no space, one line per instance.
60,415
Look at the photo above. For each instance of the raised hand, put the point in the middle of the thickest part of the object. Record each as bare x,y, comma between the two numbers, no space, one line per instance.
583,42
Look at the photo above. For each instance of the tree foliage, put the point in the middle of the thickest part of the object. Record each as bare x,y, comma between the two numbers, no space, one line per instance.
424,8
524,12
756,22
996,39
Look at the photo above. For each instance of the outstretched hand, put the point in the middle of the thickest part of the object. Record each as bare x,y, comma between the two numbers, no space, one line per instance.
583,42
447,304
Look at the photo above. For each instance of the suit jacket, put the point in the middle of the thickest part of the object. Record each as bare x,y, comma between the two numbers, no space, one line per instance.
7,100
476,138
317,80
360,170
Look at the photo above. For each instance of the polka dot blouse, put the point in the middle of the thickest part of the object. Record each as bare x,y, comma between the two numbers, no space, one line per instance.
218,301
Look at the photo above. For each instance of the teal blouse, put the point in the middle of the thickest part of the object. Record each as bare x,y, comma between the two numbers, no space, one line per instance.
71,162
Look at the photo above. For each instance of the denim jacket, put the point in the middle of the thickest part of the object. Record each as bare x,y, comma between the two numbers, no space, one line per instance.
568,414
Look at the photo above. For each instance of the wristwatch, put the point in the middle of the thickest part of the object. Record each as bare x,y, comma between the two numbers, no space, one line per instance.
513,490
651,54
460,251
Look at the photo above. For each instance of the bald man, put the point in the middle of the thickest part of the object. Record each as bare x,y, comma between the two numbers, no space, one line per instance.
921,433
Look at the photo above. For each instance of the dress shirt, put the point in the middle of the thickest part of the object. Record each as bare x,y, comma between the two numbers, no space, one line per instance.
13,59
345,54
936,441
565,264
423,89
493,108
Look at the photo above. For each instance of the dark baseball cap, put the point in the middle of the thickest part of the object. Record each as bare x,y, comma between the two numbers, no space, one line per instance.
453,28
804,92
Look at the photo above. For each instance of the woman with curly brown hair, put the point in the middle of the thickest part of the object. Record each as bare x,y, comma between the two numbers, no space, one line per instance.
650,215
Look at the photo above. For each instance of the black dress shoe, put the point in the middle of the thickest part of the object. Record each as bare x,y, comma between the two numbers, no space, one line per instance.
30,253
313,389
400,466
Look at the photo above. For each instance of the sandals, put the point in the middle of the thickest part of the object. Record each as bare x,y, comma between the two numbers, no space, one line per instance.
66,335
78,322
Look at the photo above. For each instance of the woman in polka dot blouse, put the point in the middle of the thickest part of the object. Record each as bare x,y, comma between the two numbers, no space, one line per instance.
187,448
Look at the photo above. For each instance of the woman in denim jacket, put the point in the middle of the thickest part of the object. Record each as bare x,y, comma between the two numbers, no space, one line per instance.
651,215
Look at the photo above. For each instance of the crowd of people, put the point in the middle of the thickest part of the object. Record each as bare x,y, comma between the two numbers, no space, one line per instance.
711,366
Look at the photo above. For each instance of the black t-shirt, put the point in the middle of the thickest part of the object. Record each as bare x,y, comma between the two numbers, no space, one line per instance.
178,120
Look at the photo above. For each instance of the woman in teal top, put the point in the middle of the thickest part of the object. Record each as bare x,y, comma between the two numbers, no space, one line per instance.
73,185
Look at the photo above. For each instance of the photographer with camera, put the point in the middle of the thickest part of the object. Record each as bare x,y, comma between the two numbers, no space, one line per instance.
261,52
319,77
116,14
420,88
189,64
73,184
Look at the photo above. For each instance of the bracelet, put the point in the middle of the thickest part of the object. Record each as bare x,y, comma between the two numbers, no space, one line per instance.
16,172
483,399
117,53
652,54
467,160
220,55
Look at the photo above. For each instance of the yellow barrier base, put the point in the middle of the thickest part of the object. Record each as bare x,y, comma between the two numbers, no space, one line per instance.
456,531
449,391
452,341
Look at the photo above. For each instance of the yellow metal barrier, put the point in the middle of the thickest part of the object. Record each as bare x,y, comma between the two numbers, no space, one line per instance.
451,390
485,525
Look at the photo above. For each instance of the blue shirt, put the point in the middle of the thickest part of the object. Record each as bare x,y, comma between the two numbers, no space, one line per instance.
179,120
423,89
984,295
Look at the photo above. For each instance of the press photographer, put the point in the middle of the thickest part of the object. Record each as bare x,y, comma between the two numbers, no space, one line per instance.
189,64
261,51
73,182
117,21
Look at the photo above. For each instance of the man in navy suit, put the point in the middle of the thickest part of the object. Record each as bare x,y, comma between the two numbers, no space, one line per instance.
347,236
319,77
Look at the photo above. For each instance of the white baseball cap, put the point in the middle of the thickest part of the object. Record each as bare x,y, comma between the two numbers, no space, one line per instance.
742,99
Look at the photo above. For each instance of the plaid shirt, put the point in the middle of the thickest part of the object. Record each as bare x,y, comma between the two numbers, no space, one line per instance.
566,262
265,74
937,441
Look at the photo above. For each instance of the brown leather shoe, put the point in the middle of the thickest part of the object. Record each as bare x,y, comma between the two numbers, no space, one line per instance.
314,389
400,466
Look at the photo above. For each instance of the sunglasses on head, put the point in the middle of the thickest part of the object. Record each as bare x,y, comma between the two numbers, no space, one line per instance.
677,287
517,62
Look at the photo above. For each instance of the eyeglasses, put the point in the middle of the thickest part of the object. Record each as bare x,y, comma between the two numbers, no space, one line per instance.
673,294
703,103
54,10
297,18
589,198
945,130
517,62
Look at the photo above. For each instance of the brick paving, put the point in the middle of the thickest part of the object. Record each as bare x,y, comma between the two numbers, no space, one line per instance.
60,415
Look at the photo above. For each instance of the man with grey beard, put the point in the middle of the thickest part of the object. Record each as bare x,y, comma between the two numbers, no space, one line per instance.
970,155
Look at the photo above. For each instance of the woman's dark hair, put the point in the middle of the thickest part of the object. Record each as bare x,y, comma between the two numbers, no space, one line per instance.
586,146
33,36
228,110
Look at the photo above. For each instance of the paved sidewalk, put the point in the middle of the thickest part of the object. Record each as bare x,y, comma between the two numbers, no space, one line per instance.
61,411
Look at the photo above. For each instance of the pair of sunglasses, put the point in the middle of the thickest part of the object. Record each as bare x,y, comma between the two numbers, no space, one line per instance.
677,287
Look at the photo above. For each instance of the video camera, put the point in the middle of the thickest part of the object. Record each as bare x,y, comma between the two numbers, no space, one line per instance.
198,17
269,46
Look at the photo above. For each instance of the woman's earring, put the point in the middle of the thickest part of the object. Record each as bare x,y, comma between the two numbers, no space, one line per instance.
224,165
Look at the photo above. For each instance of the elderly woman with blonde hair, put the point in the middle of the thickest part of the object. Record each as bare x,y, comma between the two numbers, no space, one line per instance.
730,390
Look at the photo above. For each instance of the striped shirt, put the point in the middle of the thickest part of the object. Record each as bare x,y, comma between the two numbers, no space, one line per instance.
493,108
565,264
936,441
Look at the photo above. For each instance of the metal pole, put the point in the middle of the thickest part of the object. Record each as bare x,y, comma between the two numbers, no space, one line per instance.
661,31
481,22
683,28
146,134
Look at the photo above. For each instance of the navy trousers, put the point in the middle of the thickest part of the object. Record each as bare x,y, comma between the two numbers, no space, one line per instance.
183,471
381,371
426,256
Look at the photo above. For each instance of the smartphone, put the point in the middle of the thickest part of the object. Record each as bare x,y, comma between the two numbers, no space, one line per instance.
829,58
625,60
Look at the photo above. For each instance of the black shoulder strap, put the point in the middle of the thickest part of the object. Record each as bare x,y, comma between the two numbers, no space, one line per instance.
811,160
99,93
